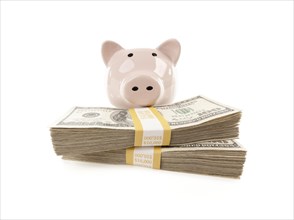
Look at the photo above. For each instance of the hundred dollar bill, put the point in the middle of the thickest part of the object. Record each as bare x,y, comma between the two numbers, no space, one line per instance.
189,112
207,145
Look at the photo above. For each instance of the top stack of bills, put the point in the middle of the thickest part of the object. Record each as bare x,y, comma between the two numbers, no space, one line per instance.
87,130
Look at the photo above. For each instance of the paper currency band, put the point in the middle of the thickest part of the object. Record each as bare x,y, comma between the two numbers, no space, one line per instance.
146,157
151,128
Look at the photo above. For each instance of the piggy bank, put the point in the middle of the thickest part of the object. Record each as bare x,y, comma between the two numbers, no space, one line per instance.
141,77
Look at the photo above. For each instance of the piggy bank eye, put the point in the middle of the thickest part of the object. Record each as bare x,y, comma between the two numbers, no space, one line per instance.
130,55
154,54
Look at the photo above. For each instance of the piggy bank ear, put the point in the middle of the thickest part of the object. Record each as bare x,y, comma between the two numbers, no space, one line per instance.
172,49
108,49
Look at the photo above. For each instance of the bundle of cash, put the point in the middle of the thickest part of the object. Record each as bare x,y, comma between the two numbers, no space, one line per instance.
221,158
89,130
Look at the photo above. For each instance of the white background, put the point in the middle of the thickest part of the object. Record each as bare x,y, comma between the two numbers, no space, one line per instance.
238,53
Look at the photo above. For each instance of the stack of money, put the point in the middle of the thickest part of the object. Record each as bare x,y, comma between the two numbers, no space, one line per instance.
93,129
200,142
221,158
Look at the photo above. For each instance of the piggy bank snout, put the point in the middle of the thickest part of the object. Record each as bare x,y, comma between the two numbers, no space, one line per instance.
142,90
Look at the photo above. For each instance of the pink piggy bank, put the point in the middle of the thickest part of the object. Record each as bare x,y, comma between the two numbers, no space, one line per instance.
141,77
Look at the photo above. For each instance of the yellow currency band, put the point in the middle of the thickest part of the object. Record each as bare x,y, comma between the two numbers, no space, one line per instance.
156,157
130,157
139,128
165,125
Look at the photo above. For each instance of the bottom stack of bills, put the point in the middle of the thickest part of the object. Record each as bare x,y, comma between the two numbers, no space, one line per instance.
222,158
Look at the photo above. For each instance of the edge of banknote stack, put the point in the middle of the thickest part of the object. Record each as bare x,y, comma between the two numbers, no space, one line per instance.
195,136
